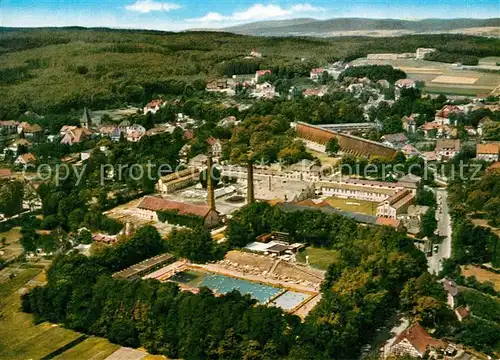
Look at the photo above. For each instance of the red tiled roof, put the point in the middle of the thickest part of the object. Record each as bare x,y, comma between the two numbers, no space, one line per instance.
5,173
447,110
155,103
405,82
443,144
188,134
387,221
491,148
155,203
262,72
211,141
8,123
430,126
494,167
462,312
419,338
317,70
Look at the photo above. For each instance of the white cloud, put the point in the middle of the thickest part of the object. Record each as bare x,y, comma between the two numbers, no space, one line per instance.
145,6
258,12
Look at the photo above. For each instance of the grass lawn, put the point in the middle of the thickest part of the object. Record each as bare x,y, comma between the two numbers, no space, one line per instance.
318,257
324,158
94,348
12,246
353,205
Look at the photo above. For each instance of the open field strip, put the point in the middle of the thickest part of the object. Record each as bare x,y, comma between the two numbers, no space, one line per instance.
445,79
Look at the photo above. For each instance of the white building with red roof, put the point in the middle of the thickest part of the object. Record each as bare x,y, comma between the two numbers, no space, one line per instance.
416,342
153,106
260,73
316,73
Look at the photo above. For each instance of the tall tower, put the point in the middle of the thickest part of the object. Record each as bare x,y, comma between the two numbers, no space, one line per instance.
210,187
250,191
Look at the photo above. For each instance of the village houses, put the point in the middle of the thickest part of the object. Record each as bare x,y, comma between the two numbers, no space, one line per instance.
488,151
260,73
153,106
315,74
447,148
24,160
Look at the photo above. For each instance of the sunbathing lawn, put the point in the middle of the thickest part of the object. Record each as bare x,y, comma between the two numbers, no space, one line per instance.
353,205
94,348
318,257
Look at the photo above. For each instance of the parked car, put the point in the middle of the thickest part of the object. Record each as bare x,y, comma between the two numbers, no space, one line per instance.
435,248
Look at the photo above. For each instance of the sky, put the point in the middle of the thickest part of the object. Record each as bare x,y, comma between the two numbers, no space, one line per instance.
173,15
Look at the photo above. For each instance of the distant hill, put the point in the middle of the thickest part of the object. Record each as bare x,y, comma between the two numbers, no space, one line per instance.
361,26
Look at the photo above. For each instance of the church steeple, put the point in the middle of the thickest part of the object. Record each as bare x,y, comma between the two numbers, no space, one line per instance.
87,119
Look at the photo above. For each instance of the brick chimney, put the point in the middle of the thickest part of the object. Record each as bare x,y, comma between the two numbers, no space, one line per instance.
250,191
210,188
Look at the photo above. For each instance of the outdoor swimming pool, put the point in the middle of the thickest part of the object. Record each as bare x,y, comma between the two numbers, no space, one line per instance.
223,284
289,300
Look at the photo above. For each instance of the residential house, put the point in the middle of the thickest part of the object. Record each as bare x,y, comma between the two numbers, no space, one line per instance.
410,123
447,148
264,90
25,159
488,151
74,135
260,73
443,116
227,121
135,132
409,150
149,206
153,106
5,174
254,53
413,218
482,124
416,342
396,204
215,146
494,167
429,156
16,144
188,134
316,73
451,289
396,141
29,131
431,129
462,312
404,84
8,126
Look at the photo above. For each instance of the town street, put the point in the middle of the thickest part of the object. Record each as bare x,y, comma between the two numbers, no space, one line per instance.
444,228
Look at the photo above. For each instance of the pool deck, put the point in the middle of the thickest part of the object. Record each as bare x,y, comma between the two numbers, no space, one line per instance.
256,278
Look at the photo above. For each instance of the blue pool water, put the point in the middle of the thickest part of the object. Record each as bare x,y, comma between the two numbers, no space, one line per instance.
223,284
289,300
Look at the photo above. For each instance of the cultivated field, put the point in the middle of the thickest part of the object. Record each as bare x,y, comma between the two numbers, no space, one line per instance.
445,78
481,275
353,205
21,339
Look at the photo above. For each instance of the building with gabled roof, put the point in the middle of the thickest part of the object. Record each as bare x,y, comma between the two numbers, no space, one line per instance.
447,148
25,159
260,73
396,204
416,342
488,151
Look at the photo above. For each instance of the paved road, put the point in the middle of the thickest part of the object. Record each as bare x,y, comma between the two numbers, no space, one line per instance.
444,228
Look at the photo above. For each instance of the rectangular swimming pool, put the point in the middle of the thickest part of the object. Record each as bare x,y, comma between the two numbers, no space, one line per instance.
222,284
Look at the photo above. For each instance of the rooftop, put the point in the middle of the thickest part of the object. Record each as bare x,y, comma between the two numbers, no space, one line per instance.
153,203
489,148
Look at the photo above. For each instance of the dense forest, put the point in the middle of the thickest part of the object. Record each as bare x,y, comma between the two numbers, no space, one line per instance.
56,70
